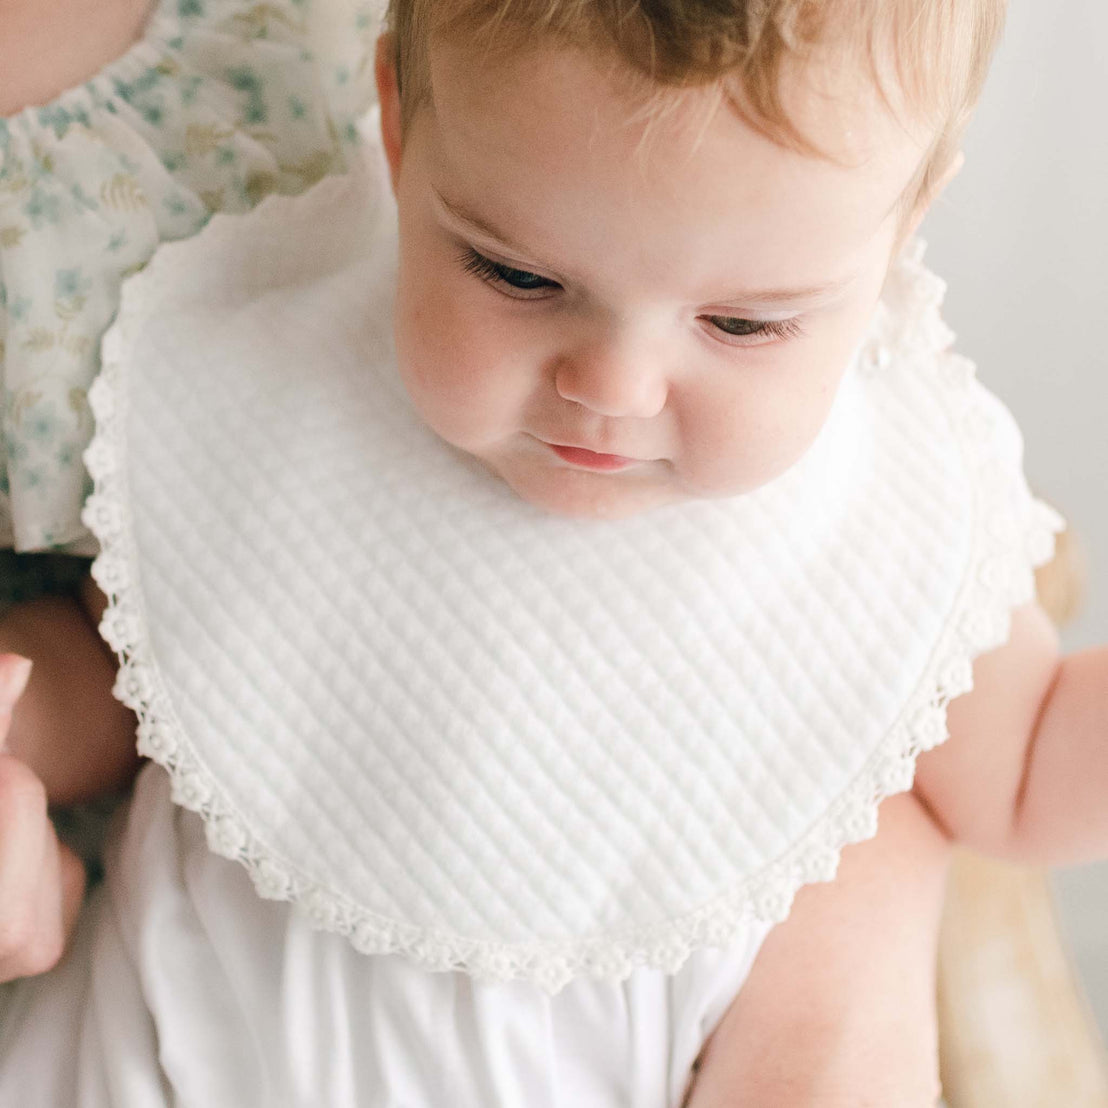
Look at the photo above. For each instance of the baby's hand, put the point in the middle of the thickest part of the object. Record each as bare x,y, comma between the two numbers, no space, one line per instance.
42,882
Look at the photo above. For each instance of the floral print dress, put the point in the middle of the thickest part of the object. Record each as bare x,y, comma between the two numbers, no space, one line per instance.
218,104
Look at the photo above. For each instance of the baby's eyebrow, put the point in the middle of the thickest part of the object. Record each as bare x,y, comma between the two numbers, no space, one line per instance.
750,298
784,296
475,222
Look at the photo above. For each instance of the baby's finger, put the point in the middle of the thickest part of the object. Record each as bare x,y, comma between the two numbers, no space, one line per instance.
15,672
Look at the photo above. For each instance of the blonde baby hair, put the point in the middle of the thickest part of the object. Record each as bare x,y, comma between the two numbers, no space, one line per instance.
939,52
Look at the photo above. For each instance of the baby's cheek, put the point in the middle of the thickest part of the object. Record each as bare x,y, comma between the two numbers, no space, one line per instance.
427,372
445,367
798,418
739,446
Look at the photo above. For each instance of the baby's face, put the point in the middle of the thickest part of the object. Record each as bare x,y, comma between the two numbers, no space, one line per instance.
612,322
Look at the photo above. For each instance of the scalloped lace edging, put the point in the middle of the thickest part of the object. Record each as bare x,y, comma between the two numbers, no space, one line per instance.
1000,578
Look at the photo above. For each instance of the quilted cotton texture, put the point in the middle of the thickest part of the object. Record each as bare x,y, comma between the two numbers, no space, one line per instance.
451,726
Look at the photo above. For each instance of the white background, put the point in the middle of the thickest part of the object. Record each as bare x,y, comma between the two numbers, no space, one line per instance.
1022,239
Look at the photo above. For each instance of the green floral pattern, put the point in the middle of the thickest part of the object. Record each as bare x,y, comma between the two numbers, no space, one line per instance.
221,103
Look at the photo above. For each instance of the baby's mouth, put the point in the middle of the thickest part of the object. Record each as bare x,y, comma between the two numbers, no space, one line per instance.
590,459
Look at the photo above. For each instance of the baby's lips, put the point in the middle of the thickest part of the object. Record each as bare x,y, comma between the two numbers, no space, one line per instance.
15,671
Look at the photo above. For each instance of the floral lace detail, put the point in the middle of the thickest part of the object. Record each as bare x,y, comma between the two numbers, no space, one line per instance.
219,104
999,578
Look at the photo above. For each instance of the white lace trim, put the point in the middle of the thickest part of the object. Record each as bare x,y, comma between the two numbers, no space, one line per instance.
1000,578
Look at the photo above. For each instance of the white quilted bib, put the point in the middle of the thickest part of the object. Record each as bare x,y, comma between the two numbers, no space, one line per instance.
451,726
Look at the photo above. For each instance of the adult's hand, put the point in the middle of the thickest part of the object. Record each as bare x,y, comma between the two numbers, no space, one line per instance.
42,882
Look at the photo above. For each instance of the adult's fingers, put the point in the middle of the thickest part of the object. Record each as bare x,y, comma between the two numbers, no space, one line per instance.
15,672
41,882
74,879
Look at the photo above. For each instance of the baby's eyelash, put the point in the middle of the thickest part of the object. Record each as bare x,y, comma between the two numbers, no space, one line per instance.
755,328
517,280
522,284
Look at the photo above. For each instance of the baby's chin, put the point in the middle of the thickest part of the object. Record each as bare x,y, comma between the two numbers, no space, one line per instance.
583,494
579,494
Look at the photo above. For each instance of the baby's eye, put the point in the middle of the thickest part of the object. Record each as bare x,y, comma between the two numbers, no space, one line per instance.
754,332
511,281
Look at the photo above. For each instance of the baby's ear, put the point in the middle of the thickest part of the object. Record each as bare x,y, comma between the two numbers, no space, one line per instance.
388,96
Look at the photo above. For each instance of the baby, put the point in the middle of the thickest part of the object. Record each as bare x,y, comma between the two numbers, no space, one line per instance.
639,248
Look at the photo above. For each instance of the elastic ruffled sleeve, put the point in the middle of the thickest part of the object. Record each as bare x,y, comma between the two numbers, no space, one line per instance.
218,105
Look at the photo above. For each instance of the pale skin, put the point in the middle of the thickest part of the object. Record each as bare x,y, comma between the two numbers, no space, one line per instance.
867,1009
48,46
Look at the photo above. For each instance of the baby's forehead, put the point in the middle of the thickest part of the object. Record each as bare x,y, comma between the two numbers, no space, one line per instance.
843,109
549,105
695,205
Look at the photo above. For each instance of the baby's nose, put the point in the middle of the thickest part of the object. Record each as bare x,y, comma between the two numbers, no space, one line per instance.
613,377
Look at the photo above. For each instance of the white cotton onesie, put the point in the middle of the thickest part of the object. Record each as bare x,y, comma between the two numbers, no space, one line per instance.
467,804
185,988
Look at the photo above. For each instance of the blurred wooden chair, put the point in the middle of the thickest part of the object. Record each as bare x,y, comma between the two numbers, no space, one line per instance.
1015,1030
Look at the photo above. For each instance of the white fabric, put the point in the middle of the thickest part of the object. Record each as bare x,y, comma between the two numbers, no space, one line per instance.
491,739
185,989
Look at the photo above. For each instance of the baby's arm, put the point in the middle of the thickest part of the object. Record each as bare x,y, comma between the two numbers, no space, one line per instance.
839,1007
1024,774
